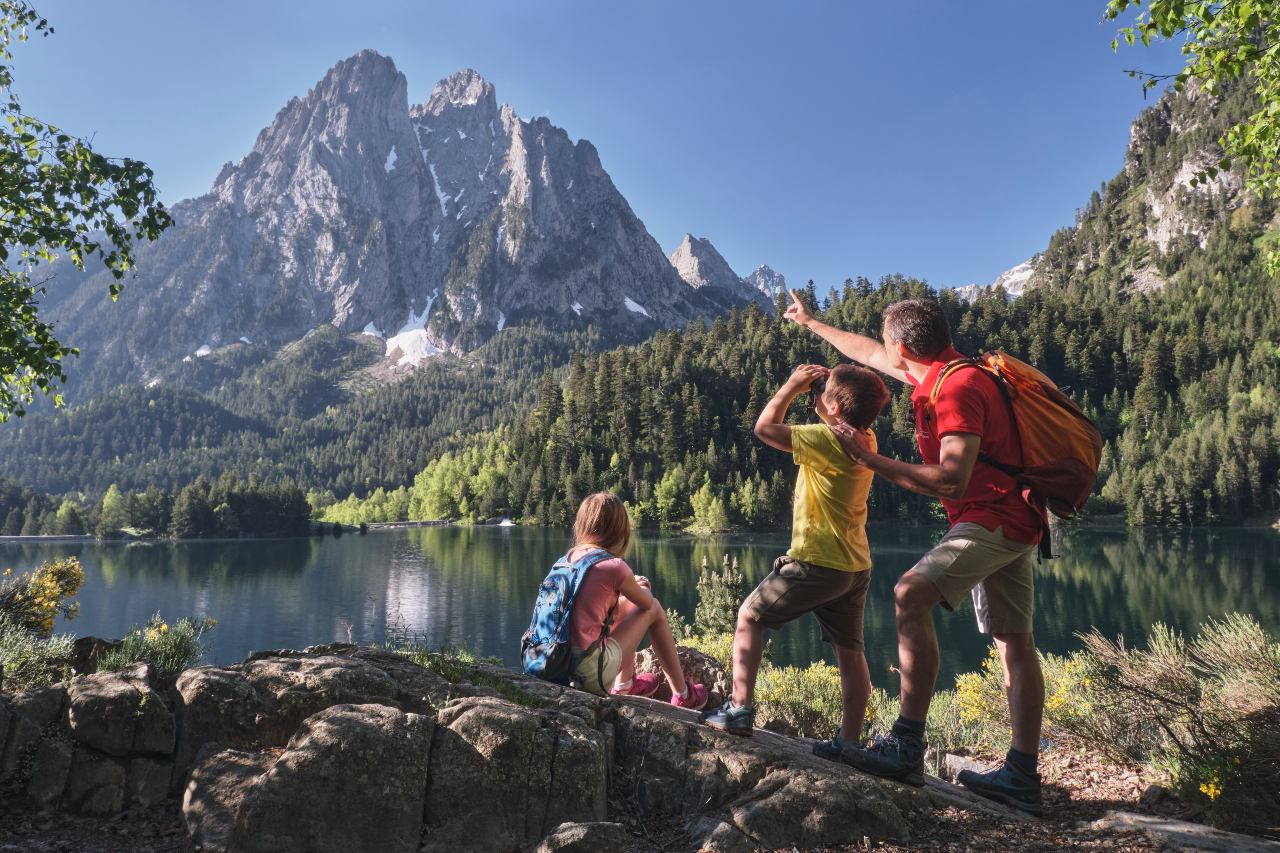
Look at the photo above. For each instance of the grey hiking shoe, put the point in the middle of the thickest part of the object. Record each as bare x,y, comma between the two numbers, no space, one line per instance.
1006,785
890,756
833,749
731,718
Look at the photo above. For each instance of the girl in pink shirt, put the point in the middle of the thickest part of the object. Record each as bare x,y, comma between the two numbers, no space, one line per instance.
608,663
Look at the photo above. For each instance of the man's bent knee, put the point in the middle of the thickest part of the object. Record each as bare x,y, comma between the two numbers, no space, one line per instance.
914,594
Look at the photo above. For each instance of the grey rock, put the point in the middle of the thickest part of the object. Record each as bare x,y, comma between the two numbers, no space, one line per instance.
296,687
1183,836
503,775
214,794
213,706
120,714
50,763
353,777
147,781
587,838
95,784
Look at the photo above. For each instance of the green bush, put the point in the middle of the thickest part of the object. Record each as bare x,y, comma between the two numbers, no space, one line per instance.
801,701
720,593
1205,711
28,660
169,649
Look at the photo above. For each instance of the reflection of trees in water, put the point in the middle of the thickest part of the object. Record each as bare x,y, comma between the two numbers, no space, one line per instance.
475,586
221,564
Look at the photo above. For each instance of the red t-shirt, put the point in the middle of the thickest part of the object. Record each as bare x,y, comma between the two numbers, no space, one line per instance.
971,403
596,595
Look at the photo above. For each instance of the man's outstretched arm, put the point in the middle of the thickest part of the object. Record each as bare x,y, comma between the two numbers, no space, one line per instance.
860,348
948,479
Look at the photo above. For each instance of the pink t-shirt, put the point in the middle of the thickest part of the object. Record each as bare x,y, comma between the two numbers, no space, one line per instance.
597,594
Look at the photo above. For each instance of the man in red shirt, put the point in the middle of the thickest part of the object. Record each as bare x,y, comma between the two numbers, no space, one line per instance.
986,553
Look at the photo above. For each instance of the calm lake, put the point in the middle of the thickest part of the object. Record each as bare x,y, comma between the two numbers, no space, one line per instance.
474,586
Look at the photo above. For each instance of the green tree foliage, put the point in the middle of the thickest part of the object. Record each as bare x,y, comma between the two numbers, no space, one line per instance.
60,202
1223,42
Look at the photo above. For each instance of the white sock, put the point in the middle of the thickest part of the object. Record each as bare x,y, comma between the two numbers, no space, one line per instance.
622,685
684,694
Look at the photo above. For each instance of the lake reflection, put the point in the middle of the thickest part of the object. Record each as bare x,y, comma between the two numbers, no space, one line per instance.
474,586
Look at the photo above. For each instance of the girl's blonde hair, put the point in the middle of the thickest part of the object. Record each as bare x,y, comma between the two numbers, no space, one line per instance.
602,520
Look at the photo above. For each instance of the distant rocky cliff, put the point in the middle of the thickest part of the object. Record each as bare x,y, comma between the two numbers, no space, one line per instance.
432,227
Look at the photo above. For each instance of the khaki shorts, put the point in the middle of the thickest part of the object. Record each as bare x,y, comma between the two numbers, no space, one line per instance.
996,571
795,588
588,672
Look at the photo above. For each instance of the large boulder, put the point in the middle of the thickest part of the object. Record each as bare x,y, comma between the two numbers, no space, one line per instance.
119,713
698,668
353,777
504,775
297,685
216,708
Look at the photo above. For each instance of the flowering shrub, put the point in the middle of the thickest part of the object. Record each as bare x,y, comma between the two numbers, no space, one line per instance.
803,701
168,648
34,599
29,661
1205,711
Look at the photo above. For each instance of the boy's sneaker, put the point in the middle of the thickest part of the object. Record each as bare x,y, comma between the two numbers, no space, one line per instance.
731,718
643,684
694,701
834,748
890,756
1006,785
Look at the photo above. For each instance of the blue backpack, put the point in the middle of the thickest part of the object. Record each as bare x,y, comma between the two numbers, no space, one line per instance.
544,648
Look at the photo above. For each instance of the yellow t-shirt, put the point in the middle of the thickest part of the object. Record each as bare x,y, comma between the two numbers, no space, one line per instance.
829,516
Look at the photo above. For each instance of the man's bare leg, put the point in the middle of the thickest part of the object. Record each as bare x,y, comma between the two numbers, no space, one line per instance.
1024,687
915,597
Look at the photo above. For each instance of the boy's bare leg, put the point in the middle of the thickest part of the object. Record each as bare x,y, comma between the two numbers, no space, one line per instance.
748,647
1024,685
915,597
651,620
855,691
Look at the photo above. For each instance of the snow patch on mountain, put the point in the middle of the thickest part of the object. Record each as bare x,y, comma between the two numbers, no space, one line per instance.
633,306
391,160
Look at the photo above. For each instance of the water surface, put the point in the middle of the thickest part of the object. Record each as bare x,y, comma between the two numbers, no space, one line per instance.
474,586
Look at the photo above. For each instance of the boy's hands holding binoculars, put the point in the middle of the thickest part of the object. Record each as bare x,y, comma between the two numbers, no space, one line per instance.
804,377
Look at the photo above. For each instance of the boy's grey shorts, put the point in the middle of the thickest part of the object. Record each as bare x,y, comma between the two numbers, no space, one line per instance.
995,570
794,588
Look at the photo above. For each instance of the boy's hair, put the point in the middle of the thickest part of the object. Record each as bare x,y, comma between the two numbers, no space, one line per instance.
919,325
859,392
602,520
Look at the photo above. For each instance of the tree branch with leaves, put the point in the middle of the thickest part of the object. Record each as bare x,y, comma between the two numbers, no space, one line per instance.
60,202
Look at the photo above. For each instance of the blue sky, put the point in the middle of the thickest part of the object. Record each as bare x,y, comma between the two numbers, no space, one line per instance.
944,140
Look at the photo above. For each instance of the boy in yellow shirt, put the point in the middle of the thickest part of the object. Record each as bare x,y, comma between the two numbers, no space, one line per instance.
828,567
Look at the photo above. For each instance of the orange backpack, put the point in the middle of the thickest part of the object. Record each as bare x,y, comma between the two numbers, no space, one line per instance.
1061,446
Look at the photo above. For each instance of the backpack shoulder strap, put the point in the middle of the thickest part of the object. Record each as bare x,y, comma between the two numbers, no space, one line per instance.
982,367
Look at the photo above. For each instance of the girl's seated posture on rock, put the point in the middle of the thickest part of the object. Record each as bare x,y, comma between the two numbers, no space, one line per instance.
607,659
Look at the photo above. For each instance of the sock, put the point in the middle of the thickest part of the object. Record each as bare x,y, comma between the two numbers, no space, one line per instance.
1022,762
684,694
623,685
903,726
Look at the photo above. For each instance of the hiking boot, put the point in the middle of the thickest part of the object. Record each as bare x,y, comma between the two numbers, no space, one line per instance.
890,756
1006,784
731,718
694,701
834,748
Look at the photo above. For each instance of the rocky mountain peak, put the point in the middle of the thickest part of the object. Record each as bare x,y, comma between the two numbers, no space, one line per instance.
701,265
465,88
768,282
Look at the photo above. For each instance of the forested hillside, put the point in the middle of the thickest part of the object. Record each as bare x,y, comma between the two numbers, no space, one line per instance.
1153,309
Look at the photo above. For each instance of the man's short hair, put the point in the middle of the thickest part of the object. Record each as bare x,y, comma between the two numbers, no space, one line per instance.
919,325
859,392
